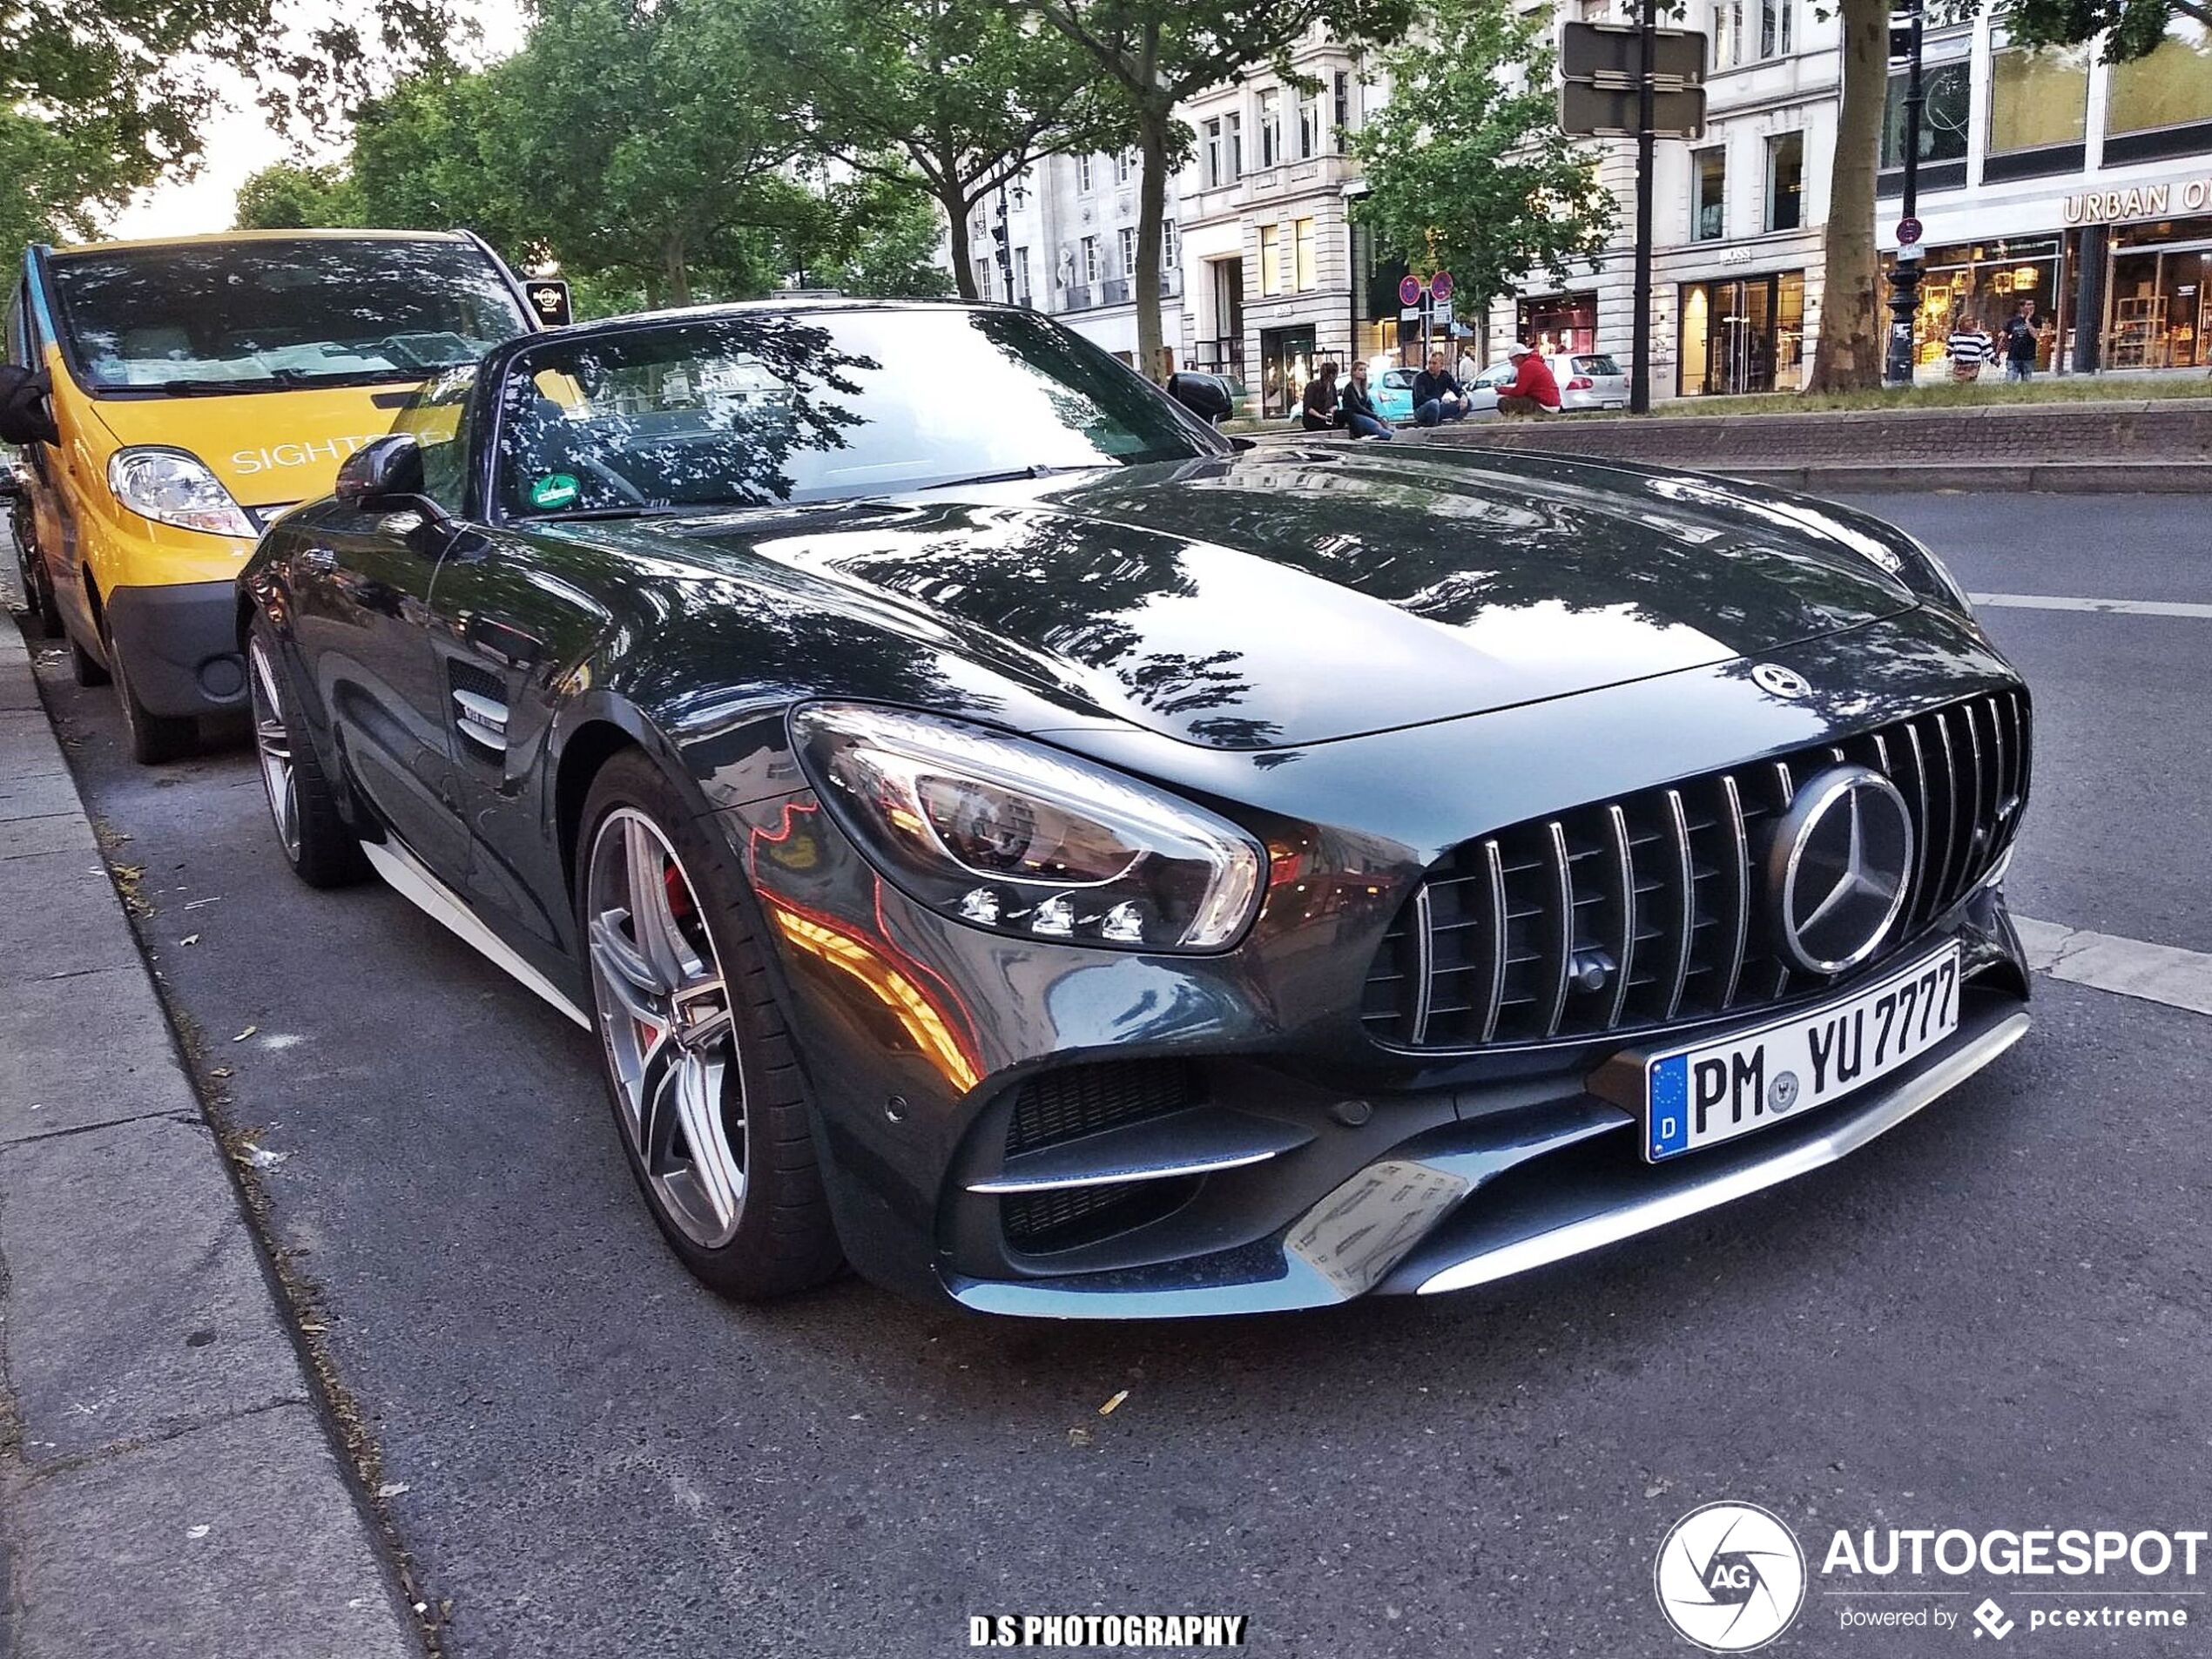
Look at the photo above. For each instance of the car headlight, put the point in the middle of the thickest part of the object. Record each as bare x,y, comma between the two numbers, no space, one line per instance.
173,488
1011,836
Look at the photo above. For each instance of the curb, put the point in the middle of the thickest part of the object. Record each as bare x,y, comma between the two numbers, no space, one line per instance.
171,1486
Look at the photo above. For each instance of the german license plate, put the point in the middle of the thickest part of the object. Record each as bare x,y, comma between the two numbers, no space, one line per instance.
1699,1096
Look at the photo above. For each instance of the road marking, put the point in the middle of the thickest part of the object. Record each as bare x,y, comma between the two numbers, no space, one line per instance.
2124,607
2167,974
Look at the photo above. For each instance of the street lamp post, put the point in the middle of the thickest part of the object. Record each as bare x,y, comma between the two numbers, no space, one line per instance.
1905,274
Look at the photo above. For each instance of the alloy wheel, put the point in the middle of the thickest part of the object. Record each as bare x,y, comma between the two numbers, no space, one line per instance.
273,746
665,1018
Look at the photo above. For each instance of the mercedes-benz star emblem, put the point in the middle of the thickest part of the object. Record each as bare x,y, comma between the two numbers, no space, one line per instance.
1841,863
1778,681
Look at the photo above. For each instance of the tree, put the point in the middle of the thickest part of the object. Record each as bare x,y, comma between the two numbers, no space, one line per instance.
287,198
1467,168
955,97
121,88
1849,355
1156,53
2131,29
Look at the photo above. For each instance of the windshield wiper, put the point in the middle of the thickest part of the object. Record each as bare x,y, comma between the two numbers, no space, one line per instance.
1006,478
278,379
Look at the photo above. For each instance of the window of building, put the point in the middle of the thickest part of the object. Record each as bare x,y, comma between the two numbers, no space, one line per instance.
1303,242
1785,182
1749,31
1083,173
984,271
1340,108
1224,149
1129,250
1775,27
1270,128
2170,88
1171,256
1309,126
1271,259
1021,276
1949,90
2038,99
1124,167
1708,194
1089,261
1018,193
1233,124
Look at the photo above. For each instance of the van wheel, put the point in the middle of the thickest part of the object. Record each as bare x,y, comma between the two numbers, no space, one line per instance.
38,588
83,667
154,738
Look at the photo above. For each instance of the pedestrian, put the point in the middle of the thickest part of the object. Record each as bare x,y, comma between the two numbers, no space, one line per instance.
1319,407
2023,336
1533,389
1357,411
1968,348
1437,395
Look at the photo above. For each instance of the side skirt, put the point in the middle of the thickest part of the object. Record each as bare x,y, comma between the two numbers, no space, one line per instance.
408,877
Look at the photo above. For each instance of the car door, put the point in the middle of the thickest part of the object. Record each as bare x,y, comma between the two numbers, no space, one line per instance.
514,623
360,586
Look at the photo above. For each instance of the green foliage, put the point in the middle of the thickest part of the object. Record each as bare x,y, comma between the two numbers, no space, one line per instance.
2136,27
1467,168
953,96
288,198
52,178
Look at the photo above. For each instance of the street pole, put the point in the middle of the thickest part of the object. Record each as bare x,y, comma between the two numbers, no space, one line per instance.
1640,348
1905,274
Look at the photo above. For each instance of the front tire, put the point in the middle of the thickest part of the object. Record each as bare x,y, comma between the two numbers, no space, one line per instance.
303,804
154,738
696,1059
84,668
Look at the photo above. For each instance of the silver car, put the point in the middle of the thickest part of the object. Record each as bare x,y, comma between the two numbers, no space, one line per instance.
1587,380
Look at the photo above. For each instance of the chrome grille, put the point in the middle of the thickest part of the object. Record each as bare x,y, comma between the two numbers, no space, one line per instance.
1650,909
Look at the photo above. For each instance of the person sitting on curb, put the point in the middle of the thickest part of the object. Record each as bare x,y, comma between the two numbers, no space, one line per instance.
1320,408
1437,395
1532,389
1357,411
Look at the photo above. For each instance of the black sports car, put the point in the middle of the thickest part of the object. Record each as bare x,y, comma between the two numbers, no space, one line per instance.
1010,837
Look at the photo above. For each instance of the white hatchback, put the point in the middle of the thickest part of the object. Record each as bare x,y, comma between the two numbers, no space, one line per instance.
1587,380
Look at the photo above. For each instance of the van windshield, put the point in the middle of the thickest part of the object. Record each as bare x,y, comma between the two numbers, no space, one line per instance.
266,315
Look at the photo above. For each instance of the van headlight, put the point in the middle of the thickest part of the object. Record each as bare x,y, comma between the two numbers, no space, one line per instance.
1011,836
170,487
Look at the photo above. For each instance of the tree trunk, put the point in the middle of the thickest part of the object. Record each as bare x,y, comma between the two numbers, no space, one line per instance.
1151,213
679,272
1849,356
959,209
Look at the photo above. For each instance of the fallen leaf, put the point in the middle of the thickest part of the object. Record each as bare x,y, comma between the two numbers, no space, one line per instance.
1107,1409
248,1032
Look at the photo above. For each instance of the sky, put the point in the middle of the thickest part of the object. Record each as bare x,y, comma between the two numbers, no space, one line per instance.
238,141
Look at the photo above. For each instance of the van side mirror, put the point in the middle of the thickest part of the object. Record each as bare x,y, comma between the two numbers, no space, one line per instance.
1202,394
381,476
26,411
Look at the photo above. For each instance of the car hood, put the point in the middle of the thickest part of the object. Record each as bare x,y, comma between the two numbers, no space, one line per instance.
1287,597
269,448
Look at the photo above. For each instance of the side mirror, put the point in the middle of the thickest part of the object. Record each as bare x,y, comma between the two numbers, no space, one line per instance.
382,476
26,413
1202,394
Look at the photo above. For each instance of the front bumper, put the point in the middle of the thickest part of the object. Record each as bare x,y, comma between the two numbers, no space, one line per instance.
181,644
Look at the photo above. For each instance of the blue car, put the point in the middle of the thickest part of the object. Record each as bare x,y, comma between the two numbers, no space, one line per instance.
1394,394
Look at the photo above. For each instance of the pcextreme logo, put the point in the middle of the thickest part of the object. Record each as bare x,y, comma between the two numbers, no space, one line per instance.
1730,1577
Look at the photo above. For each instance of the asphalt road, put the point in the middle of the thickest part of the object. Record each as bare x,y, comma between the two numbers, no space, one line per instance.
1996,1316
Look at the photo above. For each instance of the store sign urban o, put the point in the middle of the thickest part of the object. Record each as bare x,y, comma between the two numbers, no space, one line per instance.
2143,201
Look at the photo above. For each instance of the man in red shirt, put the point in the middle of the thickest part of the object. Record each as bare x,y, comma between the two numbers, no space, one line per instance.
1533,390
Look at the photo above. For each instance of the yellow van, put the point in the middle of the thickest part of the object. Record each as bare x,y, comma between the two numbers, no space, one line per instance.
199,387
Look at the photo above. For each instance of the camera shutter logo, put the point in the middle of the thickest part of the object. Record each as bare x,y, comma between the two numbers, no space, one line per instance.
1730,1577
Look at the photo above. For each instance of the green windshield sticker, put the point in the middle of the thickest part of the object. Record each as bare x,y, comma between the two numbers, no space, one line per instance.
555,490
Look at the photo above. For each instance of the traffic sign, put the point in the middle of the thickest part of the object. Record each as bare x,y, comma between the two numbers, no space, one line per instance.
1440,287
1909,230
1604,111
1409,291
1607,51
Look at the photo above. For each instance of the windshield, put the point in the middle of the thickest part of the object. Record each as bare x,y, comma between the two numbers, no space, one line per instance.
264,315
767,407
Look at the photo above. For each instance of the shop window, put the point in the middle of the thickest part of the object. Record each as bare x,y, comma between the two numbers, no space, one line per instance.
1562,323
2038,99
1270,128
1303,245
1708,200
1271,259
2172,87
1949,92
1785,182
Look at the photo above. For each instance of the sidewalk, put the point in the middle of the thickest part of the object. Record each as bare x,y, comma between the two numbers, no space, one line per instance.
167,1489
